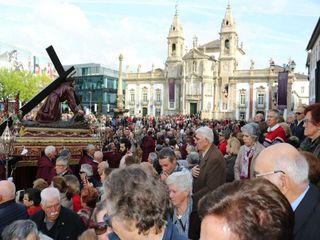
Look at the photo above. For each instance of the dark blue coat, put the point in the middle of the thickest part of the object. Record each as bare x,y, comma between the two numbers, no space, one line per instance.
11,211
307,216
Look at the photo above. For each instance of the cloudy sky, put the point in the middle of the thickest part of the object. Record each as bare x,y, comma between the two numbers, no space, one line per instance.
84,31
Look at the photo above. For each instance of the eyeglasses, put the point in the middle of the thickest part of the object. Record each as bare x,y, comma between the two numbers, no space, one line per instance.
107,219
307,121
100,228
256,174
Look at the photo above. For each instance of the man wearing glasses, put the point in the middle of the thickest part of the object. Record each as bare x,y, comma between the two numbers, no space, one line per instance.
285,167
298,128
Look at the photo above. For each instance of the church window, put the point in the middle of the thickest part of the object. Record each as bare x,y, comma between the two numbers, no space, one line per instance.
227,22
158,95
227,44
173,47
260,98
194,64
242,97
145,94
173,28
132,95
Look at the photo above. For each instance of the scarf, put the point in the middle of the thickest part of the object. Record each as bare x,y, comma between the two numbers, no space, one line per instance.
246,160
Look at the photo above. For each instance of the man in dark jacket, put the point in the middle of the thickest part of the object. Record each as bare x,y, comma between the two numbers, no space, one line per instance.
9,209
56,221
289,170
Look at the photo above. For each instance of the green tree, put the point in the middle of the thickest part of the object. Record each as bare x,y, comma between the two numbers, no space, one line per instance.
12,82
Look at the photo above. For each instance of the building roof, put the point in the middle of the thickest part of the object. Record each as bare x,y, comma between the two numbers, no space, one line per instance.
314,36
195,54
211,45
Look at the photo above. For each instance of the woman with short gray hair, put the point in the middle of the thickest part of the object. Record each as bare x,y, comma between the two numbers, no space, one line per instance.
243,168
180,187
20,229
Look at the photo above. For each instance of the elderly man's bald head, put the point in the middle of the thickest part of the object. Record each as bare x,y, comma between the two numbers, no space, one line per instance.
283,161
7,191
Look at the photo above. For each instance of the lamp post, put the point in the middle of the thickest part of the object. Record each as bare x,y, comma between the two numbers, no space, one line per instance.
7,139
90,98
102,134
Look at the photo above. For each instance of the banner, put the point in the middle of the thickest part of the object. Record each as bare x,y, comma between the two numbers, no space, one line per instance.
282,90
171,90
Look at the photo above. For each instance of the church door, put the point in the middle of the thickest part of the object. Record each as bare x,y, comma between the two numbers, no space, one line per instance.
193,108
144,111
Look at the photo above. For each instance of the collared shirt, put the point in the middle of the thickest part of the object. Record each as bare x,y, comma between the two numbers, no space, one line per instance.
182,222
296,202
271,129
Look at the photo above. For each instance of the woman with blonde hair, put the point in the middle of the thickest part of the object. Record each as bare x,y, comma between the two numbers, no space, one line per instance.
233,146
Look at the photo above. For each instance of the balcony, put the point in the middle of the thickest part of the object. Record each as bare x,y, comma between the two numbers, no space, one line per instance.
242,105
158,103
261,105
144,102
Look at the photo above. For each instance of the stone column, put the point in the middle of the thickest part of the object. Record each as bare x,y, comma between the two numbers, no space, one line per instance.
120,91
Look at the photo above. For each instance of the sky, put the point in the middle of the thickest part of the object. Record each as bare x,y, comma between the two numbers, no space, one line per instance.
97,31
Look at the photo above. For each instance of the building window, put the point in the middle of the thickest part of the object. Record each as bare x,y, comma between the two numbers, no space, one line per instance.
158,112
302,89
242,99
158,95
132,95
145,94
260,98
227,44
171,104
145,97
224,106
131,111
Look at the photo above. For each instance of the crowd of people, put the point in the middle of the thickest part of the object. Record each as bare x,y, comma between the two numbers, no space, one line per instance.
177,177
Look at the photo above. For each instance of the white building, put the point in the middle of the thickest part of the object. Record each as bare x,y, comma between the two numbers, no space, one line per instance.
313,64
206,78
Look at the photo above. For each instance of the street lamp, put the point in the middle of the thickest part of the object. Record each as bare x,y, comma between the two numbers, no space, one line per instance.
102,134
7,140
90,98
290,66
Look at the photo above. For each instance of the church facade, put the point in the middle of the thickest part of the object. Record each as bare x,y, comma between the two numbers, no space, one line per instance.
206,79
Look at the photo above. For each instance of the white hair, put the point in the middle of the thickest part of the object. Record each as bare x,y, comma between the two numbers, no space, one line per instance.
153,157
206,132
49,149
295,166
7,189
48,194
183,179
98,155
87,168
89,147
63,160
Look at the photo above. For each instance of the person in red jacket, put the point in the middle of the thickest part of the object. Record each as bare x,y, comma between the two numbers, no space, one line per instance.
31,200
276,133
148,146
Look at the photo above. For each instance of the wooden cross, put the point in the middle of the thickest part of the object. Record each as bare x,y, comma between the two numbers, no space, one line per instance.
46,91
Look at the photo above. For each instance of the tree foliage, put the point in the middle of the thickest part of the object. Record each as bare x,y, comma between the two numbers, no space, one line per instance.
24,82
